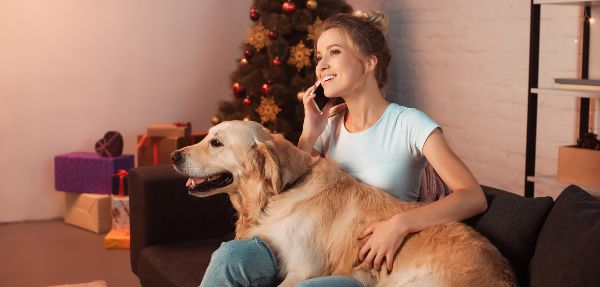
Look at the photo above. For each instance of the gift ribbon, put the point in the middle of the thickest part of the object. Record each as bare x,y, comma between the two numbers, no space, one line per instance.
122,174
155,148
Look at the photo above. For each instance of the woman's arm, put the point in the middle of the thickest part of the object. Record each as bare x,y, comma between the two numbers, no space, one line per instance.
466,200
306,143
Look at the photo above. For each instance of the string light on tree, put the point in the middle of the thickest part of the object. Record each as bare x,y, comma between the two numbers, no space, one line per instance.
215,120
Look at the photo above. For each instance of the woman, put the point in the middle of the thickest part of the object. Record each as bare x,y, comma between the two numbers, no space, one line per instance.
378,142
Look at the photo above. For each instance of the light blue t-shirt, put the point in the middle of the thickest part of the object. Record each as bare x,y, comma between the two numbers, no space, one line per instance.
388,155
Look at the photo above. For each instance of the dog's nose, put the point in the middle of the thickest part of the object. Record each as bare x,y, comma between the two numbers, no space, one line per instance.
177,157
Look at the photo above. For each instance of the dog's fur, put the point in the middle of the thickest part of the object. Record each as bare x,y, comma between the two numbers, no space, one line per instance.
310,214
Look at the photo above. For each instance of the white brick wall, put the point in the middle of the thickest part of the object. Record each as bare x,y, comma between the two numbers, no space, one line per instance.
465,63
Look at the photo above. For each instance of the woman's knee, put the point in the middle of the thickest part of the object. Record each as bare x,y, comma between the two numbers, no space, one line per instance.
245,252
234,249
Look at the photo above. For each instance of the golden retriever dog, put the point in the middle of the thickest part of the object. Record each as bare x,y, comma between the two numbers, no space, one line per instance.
310,213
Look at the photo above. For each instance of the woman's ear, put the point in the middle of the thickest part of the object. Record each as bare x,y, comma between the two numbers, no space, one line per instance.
371,63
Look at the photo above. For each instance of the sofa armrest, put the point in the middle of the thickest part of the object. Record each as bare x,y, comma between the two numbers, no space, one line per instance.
162,211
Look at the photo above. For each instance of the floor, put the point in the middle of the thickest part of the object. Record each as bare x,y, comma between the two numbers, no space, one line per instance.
52,253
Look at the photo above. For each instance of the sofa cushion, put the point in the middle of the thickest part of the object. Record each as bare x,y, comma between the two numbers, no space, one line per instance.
568,248
176,264
512,223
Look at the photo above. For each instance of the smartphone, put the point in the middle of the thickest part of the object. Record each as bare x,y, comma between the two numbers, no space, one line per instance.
320,99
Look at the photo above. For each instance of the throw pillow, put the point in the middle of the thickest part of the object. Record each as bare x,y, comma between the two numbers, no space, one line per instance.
568,248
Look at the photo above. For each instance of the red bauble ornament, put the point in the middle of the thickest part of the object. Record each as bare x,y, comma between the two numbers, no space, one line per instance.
272,35
276,61
288,7
248,54
265,88
254,15
237,89
247,101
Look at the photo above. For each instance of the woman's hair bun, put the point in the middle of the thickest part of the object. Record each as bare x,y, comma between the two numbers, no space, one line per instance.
377,18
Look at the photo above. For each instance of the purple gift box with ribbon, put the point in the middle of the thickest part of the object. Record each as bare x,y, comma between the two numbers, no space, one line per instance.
88,172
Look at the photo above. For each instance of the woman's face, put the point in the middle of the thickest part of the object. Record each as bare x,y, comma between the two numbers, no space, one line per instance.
337,68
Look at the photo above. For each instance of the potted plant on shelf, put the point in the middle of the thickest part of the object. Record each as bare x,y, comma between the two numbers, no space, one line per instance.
580,164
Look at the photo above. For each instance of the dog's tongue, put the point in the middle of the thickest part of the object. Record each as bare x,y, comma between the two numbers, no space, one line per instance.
191,182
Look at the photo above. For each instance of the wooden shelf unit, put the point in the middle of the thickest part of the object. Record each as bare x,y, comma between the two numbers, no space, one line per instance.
534,90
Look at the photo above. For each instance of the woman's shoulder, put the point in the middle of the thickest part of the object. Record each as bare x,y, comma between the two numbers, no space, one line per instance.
400,111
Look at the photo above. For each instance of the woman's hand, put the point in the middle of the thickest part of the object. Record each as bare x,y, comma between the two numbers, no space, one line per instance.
386,238
315,121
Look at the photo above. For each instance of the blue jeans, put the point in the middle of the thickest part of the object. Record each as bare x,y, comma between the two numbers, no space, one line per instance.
249,262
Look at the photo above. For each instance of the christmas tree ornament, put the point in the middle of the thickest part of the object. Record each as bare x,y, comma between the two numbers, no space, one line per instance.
276,61
246,118
313,29
248,54
244,61
215,120
300,96
247,101
288,7
265,88
267,110
299,56
236,87
272,35
254,15
257,37
311,4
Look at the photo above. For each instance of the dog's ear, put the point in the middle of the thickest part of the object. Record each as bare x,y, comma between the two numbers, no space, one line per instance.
267,164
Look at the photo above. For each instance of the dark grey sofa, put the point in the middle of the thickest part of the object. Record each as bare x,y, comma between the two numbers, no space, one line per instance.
547,243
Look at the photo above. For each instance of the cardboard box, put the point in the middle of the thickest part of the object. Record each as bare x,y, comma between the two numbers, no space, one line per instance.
117,239
88,172
155,150
88,211
179,129
579,166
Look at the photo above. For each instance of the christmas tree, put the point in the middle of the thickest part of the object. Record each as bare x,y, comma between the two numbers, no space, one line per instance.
277,64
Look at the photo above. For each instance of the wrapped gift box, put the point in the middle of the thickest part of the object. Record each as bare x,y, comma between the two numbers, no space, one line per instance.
117,239
120,183
156,150
120,212
579,166
181,129
88,172
88,211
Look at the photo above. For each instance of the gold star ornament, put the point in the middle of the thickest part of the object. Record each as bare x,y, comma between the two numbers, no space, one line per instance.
267,110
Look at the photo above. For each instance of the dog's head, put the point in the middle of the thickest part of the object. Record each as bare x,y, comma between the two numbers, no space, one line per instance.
236,157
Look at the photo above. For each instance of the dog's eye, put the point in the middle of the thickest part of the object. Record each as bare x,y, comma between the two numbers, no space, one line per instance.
215,143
